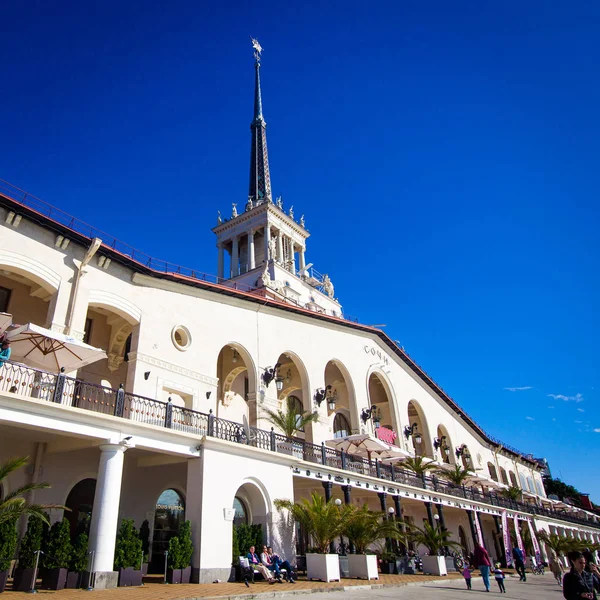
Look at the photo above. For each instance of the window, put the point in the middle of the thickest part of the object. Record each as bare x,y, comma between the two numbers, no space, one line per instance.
523,481
503,476
513,480
241,513
530,485
87,334
295,405
341,427
540,488
4,299
492,471
181,338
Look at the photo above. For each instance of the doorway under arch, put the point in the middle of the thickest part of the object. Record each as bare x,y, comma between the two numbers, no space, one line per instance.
340,389
463,541
418,424
237,384
380,400
169,514
80,503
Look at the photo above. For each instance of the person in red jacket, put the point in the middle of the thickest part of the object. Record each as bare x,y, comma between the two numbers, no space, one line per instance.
483,562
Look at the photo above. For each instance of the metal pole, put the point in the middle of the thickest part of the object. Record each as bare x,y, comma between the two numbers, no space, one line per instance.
90,587
166,559
35,570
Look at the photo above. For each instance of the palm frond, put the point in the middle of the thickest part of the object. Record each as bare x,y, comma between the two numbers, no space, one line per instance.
290,421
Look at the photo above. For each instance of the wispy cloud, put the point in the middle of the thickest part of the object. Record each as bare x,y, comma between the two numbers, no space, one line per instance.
580,410
519,389
530,418
578,422
554,419
575,398
597,430
551,406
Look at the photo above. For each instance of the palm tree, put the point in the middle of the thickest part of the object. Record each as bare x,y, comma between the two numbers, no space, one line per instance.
434,538
513,493
291,421
418,465
364,527
321,520
457,476
14,505
559,545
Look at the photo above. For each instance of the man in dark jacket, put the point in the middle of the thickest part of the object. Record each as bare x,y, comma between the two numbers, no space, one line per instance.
519,563
580,584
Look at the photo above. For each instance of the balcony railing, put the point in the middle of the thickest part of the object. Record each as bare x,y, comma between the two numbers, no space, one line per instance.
67,391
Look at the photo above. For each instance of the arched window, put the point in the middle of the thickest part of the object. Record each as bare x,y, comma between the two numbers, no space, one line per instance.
523,481
241,512
513,479
530,485
492,471
540,487
295,405
504,476
341,427
80,501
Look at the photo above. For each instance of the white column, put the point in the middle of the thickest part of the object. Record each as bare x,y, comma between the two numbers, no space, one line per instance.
302,259
221,269
292,258
267,242
280,248
251,259
235,267
103,528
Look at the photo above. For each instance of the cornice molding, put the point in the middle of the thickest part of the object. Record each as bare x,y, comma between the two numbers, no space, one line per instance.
163,364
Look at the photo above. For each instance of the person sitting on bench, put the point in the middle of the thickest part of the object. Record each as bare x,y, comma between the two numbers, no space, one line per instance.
281,564
255,564
265,559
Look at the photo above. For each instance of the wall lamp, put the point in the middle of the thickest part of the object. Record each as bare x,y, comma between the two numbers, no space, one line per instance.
321,394
371,413
440,442
413,430
271,374
464,452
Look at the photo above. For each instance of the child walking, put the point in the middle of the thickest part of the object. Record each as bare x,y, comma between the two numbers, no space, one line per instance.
467,576
499,575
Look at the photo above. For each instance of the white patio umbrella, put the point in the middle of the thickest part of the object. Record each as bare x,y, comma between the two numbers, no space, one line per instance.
395,454
49,350
359,444
5,321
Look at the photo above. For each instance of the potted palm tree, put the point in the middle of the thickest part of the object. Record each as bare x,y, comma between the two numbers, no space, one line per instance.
419,466
8,545
57,556
323,523
365,527
435,539
290,422
457,476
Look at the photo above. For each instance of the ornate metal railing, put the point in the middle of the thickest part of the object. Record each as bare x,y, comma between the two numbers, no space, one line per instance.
57,388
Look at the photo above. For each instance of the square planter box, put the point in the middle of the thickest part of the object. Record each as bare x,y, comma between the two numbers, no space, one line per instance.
22,579
362,566
75,580
434,565
3,579
325,567
54,579
387,567
130,577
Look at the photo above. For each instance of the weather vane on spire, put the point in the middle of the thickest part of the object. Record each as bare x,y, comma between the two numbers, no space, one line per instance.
257,49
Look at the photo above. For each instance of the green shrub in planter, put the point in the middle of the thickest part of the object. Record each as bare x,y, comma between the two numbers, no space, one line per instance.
57,549
79,556
128,548
186,547
8,543
32,542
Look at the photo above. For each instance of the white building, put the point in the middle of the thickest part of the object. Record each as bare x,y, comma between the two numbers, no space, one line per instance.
191,353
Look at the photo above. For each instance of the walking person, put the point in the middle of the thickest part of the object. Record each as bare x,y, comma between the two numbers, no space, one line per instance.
467,575
483,562
557,568
499,577
519,563
579,583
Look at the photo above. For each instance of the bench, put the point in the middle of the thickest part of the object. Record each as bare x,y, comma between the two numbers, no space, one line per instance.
245,564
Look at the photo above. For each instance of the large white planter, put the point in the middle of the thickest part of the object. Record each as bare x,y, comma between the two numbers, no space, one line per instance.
362,566
325,567
434,565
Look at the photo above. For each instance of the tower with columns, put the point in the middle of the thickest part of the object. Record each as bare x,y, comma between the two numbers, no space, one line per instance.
262,247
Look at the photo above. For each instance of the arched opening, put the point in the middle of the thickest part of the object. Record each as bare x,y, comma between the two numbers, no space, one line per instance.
28,297
465,457
513,479
116,331
444,450
492,471
80,503
292,380
340,391
252,523
341,426
169,514
237,385
383,416
463,540
504,476
421,440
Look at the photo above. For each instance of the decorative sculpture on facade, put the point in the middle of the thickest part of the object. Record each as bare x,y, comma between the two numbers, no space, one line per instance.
291,213
272,248
265,278
249,204
234,212
279,203
302,222
219,217
327,286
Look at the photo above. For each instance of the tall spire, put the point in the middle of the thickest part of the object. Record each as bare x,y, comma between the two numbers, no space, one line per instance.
260,178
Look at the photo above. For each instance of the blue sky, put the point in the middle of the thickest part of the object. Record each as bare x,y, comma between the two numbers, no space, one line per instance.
444,155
